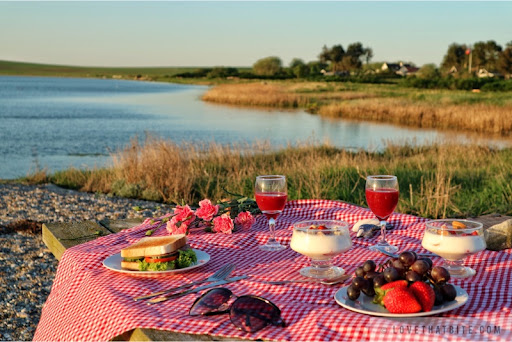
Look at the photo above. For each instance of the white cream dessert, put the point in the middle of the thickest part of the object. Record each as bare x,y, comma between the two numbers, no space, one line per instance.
320,244
452,242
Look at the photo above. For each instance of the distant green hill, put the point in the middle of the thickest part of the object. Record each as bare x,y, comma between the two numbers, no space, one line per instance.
33,69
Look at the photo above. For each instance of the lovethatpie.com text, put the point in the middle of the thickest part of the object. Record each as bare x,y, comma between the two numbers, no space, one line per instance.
442,329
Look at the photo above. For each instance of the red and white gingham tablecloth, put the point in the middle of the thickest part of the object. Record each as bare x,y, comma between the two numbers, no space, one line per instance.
90,302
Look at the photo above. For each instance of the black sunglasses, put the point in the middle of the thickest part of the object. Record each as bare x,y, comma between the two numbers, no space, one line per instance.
248,313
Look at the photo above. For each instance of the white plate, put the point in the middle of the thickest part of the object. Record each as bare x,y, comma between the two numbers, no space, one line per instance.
113,263
364,304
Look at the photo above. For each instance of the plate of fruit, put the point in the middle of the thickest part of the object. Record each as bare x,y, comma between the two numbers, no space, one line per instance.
406,286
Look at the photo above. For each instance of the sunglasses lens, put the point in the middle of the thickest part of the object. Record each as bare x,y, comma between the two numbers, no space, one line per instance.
252,313
212,301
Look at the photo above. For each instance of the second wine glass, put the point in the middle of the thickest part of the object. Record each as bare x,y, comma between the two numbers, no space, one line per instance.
271,194
382,197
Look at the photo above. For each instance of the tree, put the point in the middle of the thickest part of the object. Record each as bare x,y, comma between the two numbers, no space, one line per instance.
222,72
268,66
315,67
298,68
368,54
428,71
485,55
334,55
455,57
504,63
337,54
352,58
325,55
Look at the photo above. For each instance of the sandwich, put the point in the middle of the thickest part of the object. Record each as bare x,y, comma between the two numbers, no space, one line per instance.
158,253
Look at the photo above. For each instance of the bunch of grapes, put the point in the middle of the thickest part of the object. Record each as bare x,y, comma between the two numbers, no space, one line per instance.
406,267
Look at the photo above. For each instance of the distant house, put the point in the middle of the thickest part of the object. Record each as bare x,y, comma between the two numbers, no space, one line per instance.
402,69
407,70
390,67
483,73
453,70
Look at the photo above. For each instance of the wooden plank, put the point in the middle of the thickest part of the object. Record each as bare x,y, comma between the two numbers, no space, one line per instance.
115,226
60,236
165,335
491,219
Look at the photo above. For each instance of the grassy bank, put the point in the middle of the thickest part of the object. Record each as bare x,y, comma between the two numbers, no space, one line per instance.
435,181
487,113
34,69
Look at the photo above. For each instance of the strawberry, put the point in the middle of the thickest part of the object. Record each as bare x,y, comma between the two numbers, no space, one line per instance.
401,300
424,294
380,292
393,284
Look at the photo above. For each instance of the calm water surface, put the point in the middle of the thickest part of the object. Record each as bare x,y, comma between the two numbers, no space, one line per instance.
61,122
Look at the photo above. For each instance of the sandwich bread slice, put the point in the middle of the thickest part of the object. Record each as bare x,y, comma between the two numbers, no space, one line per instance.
158,253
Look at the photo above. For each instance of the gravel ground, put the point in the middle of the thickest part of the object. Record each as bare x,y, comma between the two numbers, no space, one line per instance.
27,267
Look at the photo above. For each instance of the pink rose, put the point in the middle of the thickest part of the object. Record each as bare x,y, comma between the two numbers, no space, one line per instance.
207,210
245,220
223,224
183,217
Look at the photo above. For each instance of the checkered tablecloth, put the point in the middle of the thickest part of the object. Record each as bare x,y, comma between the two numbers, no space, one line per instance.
90,302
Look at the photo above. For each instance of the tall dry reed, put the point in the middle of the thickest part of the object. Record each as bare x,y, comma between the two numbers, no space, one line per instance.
427,109
435,181
482,118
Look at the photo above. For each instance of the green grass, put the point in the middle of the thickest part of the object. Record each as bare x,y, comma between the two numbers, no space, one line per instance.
33,69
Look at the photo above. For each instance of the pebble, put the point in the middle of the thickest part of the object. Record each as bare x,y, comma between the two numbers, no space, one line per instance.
27,267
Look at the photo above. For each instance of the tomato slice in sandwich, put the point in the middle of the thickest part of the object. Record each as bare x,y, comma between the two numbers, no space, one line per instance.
161,258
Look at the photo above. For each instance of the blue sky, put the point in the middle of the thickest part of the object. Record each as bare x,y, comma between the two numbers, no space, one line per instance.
171,33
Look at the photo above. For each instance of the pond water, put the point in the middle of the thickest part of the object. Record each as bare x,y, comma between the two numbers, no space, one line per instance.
61,122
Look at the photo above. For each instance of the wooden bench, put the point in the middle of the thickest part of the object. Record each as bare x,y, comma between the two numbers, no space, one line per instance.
60,236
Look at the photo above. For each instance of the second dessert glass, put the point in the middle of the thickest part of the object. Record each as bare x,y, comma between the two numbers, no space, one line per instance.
321,240
454,240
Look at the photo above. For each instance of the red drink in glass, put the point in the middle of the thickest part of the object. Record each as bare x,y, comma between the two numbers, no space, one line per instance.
270,192
271,203
382,201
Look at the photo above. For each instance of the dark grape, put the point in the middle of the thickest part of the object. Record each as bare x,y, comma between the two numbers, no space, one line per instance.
412,276
391,274
420,266
370,275
398,265
439,296
407,258
353,293
359,272
440,275
428,261
379,280
369,290
369,266
359,283
449,292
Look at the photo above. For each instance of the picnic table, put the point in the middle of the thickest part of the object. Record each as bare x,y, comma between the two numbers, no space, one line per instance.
91,302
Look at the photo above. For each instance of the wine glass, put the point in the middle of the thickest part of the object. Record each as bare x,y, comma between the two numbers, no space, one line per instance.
271,194
321,240
382,198
453,240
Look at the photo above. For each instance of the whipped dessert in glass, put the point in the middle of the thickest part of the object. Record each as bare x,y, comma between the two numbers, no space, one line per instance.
453,240
321,240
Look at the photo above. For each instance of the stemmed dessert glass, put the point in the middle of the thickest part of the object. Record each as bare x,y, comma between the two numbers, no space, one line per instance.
454,240
382,197
271,194
321,241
